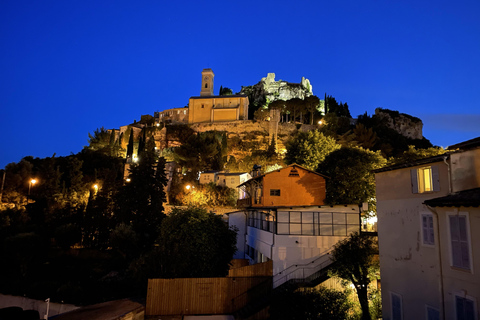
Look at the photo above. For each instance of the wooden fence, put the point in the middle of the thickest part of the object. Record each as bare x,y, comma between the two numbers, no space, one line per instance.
188,296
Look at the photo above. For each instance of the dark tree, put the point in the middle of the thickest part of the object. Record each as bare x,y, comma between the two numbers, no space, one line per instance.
351,178
202,151
314,304
225,91
195,243
354,260
140,201
311,104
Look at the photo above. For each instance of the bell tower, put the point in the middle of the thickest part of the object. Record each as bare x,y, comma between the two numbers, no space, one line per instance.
207,82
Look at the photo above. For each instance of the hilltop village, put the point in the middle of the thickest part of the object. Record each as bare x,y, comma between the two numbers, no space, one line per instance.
270,203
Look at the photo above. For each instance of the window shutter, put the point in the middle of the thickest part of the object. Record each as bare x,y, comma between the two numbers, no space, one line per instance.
469,309
413,174
396,307
435,178
462,224
455,240
425,229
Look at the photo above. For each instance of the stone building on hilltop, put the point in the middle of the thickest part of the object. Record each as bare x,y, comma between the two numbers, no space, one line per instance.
211,108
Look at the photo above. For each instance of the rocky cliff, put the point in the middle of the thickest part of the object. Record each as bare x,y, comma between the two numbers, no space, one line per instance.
407,125
269,90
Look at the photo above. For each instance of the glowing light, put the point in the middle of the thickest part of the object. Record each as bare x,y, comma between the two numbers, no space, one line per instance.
371,220
128,180
188,187
320,122
33,181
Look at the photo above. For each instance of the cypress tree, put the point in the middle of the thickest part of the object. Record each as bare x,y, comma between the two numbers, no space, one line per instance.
130,144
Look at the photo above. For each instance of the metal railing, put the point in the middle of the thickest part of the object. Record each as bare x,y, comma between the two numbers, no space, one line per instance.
303,272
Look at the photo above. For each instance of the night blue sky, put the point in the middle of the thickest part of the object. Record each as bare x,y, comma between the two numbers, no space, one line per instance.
69,67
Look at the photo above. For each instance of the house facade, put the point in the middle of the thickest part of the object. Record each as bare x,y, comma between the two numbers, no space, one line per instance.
285,220
290,186
428,233
176,115
225,179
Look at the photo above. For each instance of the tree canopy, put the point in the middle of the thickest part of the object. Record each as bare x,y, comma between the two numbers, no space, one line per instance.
351,178
354,260
312,304
202,151
309,149
195,243
140,201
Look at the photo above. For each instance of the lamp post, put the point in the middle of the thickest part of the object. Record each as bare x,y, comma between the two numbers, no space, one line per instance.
30,184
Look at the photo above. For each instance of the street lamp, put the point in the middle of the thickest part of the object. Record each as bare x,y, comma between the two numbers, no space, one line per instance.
95,187
30,184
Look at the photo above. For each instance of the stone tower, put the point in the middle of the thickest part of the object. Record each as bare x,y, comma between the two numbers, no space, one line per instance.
207,82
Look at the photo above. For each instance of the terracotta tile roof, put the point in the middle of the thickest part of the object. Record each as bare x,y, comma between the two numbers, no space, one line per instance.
466,198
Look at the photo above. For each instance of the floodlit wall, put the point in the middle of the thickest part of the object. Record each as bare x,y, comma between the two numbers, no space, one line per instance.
465,170
305,189
408,268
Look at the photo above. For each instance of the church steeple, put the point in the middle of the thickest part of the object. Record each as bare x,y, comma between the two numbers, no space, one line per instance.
207,82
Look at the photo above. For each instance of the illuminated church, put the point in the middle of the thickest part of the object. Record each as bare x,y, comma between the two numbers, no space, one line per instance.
211,108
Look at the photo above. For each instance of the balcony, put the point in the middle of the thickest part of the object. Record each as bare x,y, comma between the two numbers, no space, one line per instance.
244,203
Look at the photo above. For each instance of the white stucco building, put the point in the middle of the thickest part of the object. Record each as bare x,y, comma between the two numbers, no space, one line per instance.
429,236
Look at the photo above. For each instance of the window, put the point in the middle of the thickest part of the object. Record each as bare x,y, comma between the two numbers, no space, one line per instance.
317,223
206,85
459,241
427,229
464,308
397,313
425,179
203,106
432,314
275,192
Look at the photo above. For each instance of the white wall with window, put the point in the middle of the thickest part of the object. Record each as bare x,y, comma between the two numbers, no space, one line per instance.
425,179
397,306
465,307
428,229
459,240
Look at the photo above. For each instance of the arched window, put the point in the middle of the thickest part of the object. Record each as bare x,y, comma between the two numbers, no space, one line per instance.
206,85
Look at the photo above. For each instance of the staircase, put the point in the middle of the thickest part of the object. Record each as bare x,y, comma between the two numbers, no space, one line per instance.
300,275
308,274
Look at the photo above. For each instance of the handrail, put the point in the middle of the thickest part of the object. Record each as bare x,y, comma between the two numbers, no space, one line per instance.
319,263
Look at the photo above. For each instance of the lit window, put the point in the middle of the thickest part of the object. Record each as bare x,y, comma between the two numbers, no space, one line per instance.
425,183
425,179
459,241
427,229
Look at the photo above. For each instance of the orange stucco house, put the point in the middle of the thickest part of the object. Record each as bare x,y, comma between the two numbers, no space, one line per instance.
289,186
